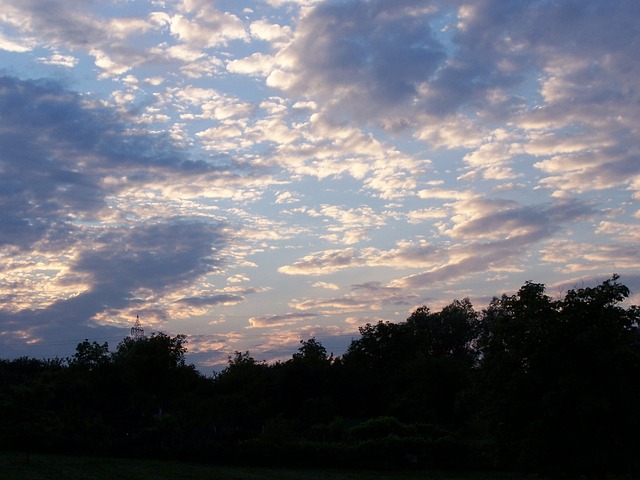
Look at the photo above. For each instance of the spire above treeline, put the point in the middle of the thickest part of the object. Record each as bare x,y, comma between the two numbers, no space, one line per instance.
137,332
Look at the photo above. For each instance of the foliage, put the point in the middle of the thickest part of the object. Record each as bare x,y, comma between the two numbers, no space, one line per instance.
558,379
530,383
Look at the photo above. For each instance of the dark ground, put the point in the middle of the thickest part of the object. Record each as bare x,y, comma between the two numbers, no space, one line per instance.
17,466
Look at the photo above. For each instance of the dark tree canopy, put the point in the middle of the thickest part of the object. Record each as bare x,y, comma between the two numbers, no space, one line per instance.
90,355
533,383
558,378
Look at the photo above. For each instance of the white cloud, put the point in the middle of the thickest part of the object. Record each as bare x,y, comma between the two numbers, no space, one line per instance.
620,231
353,225
59,60
258,64
203,26
365,297
270,32
321,263
326,285
285,198
122,28
280,3
9,45
361,321
110,66
452,131
572,257
492,160
280,320
419,216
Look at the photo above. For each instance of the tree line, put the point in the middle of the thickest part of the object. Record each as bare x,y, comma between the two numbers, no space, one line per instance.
529,383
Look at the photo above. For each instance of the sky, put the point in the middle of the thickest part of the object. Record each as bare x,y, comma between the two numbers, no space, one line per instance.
253,173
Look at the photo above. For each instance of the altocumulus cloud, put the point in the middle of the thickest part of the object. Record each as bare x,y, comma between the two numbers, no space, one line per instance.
345,53
71,173
388,152
452,72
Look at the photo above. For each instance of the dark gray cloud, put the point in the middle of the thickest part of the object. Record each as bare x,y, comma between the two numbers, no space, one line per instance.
518,229
74,26
505,219
373,59
56,150
159,258
365,55
41,188
500,43
58,156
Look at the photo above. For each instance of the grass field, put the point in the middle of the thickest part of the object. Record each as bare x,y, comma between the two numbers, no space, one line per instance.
15,466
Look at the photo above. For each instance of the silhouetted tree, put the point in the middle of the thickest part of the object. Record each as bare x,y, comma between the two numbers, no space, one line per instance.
90,355
312,352
304,385
557,380
414,370
549,385
243,396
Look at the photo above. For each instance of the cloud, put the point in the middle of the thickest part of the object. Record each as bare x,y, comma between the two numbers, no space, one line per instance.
302,3
9,45
620,231
64,157
348,226
207,343
489,234
361,57
212,300
419,216
492,236
60,26
492,159
408,254
160,258
41,187
569,256
73,176
270,32
212,104
286,197
321,263
328,286
258,64
324,148
73,27
59,60
191,27
280,320
362,298
202,26
467,75
361,321
406,147
125,269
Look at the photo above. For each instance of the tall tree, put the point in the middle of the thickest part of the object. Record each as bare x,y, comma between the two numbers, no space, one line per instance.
557,379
